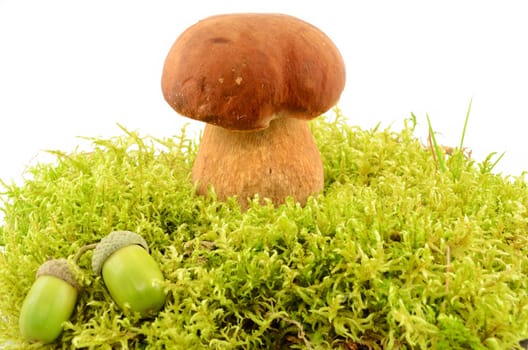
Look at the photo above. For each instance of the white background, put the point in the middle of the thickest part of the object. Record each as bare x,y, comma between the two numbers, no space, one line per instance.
76,68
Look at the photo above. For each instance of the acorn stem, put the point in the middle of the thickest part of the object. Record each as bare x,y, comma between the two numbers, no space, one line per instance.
83,250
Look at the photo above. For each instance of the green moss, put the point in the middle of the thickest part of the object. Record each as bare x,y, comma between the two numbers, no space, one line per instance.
395,254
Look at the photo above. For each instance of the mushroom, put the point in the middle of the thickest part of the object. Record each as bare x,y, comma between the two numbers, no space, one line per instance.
255,79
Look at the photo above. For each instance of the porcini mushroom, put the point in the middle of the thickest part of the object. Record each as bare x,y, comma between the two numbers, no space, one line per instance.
255,79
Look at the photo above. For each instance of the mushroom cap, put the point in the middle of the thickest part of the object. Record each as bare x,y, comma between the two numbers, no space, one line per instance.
240,71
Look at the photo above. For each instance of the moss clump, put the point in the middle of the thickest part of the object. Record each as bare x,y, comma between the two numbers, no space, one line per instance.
395,254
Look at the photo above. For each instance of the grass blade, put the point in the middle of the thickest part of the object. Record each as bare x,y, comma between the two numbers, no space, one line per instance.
437,151
465,125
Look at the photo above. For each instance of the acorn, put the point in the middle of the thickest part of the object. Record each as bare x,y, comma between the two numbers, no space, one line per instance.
49,303
129,272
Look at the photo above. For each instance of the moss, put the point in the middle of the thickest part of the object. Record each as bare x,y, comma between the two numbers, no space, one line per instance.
395,254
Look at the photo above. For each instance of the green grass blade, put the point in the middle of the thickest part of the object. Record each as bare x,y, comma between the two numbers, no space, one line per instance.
486,166
465,124
437,150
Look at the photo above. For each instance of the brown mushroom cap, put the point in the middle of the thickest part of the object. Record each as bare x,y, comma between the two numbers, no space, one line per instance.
240,71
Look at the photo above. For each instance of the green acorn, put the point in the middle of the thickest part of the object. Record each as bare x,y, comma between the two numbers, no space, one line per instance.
129,272
49,302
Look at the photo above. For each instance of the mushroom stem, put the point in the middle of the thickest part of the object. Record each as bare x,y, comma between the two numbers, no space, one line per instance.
275,163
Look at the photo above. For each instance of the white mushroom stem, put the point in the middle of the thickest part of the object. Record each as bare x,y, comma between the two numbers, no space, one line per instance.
275,163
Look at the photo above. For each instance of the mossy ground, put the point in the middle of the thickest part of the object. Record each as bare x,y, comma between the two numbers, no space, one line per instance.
395,254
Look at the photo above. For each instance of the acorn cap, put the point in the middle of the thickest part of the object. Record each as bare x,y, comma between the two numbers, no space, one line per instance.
59,268
112,243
